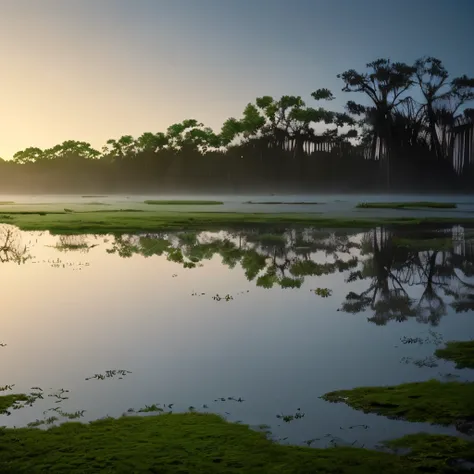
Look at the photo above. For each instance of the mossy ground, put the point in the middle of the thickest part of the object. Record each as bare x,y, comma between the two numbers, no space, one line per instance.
7,401
435,453
135,220
444,403
199,443
407,205
460,352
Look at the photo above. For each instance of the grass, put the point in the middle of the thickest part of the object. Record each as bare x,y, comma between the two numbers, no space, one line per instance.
435,453
202,443
460,352
407,205
165,202
95,196
8,401
444,403
302,203
130,220
5,203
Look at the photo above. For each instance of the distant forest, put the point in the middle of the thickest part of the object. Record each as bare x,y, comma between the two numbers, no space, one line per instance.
415,134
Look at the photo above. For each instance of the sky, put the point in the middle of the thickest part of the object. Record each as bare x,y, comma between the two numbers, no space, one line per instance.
91,70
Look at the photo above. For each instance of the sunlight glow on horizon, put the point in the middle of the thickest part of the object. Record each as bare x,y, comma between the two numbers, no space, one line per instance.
92,71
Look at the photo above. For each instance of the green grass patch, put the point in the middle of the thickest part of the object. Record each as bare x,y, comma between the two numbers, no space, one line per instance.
8,401
407,205
136,220
435,453
96,203
183,203
460,352
444,403
270,203
5,203
198,443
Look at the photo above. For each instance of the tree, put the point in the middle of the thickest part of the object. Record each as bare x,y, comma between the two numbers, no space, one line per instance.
28,155
384,85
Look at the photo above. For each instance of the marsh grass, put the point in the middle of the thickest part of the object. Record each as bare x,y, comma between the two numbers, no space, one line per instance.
10,401
167,202
270,203
444,403
211,445
459,352
407,205
135,220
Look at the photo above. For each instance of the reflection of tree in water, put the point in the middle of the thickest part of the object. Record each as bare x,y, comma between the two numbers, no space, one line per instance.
11,247
73,242
282,257
391,264
394,267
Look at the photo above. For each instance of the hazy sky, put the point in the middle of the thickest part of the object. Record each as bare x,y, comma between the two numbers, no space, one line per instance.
97,69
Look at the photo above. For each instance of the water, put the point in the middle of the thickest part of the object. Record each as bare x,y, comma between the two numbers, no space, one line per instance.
76,306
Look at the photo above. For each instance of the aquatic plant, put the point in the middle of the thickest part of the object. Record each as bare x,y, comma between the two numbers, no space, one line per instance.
323,292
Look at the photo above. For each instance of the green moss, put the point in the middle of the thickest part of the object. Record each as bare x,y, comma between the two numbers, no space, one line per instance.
443,403
126,220
8,401
165,202
434,453
460,352
407,205
191,442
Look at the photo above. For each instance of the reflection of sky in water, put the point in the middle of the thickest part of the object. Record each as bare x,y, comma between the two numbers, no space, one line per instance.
278,349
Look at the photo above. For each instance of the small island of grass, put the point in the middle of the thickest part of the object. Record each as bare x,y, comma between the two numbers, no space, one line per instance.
407,205
168,202
287,203
8,401
460,352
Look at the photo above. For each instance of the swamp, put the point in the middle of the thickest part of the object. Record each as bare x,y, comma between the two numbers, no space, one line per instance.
287,346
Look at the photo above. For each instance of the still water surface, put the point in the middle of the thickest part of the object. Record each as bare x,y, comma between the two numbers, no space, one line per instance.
155,306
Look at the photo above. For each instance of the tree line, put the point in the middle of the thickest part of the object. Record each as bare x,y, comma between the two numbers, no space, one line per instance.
412,131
